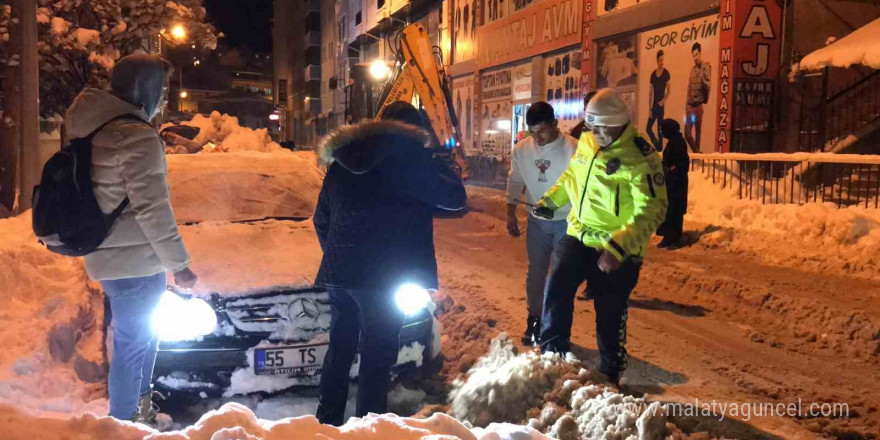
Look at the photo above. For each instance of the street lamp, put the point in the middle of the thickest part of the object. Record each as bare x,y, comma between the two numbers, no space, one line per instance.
183,94
178,32
379,69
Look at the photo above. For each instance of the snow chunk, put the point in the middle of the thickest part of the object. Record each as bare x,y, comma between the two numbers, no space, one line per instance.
862,46
225,131
504,385
59,26
602,413
43,16
507,431
119,28
85,37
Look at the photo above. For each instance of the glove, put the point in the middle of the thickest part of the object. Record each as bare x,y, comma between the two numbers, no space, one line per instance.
543,212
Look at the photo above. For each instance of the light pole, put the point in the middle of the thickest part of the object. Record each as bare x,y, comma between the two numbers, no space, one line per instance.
178,35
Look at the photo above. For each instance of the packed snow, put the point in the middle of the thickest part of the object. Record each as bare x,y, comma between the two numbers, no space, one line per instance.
51,339
226,134
236,422
861,47
243,186
841,240
235,259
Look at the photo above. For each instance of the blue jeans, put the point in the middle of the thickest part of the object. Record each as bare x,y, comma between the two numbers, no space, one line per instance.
132,301
542,236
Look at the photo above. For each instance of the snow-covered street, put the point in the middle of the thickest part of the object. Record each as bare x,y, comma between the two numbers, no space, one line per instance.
704,324
764,306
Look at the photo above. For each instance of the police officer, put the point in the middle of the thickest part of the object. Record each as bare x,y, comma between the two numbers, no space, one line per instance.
616,186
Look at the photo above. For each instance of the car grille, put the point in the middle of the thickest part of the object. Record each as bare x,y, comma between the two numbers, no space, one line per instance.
286,315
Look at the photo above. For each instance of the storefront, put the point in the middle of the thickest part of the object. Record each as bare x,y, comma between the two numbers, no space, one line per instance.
661,72
539,61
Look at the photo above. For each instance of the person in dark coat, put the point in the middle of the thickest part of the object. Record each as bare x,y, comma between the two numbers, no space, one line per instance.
374,221
676,163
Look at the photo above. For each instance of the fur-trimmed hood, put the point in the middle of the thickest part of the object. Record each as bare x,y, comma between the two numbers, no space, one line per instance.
360,147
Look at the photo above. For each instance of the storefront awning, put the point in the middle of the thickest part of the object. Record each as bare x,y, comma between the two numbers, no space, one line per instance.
861,47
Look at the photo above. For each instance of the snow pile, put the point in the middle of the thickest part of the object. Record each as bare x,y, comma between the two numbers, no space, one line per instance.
50,357
243,186
504,385
598,412
860,47
235,421
829,239
555,394
224,131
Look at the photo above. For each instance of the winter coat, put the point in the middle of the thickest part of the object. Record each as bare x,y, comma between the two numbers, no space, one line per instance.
676,162
374,215
578,130
618,194
128,160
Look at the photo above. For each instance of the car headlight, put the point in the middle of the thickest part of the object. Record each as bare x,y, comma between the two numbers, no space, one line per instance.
179,319
411,299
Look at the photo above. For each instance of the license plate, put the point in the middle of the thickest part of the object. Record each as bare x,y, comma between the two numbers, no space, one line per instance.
296,360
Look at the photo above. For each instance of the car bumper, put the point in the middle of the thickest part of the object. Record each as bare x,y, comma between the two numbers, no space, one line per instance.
210,363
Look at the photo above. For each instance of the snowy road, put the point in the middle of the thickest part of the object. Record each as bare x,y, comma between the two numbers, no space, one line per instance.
704,324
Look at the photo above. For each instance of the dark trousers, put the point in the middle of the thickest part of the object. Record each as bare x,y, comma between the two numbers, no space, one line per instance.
374,319
672,228
572,264
657,114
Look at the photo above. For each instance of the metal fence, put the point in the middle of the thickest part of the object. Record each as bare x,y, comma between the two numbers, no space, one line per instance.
842,179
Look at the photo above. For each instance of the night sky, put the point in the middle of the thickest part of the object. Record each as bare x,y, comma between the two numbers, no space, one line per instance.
247,22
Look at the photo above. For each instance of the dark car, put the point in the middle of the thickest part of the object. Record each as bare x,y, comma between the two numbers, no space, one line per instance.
255,322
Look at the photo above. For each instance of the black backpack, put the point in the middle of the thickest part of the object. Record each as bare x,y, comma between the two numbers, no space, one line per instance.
66,216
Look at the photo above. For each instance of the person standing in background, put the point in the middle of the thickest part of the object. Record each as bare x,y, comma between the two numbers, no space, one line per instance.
536,163
676,162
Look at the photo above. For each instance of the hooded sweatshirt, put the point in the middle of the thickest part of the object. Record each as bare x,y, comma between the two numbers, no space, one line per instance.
128,160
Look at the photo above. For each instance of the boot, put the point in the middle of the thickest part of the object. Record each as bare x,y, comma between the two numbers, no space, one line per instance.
148,411
533,331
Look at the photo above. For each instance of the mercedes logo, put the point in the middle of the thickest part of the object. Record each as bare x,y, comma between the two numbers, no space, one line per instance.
303,308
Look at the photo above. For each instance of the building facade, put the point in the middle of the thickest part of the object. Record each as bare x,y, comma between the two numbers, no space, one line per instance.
721,68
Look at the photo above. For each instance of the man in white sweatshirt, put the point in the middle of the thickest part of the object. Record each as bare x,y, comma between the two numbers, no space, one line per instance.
536,164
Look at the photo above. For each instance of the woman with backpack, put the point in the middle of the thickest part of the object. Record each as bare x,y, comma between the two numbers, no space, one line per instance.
128,176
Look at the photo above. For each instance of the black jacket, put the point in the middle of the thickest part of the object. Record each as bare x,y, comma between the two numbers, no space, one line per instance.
374,215
676,162
578,130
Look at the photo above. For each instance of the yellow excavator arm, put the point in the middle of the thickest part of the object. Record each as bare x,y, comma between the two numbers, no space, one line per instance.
419,73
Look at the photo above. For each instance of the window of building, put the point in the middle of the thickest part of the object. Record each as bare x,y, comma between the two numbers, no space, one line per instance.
380,4
282,91
358,18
